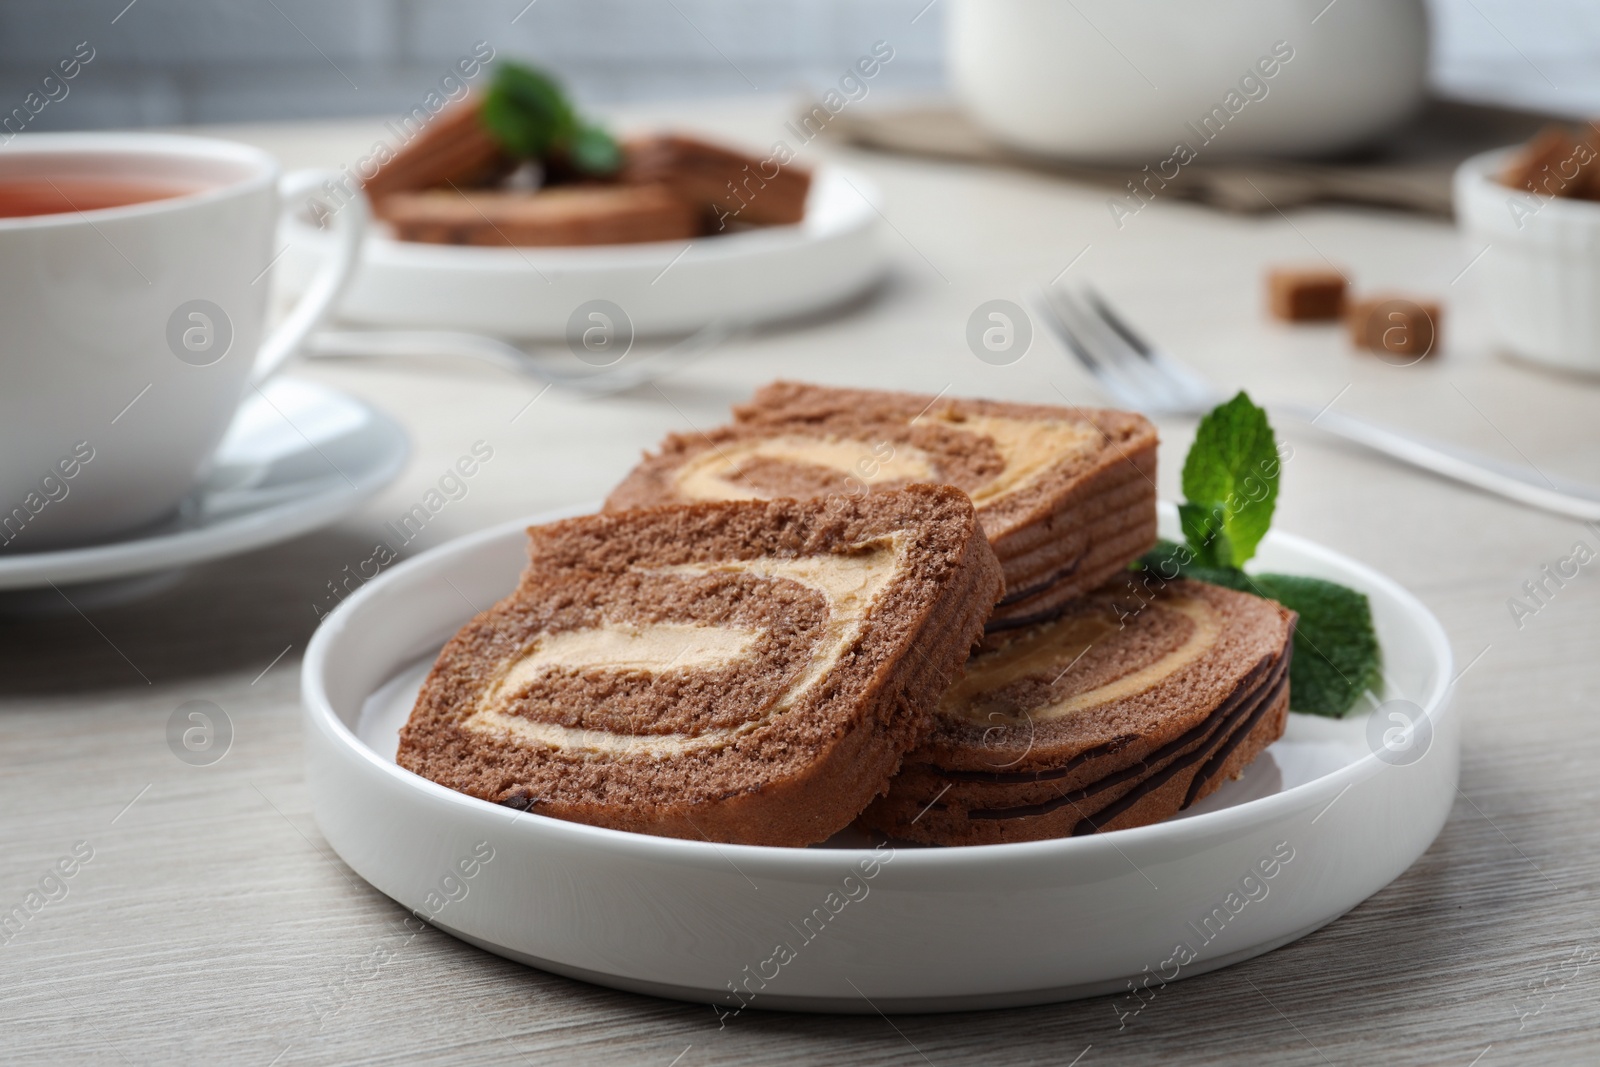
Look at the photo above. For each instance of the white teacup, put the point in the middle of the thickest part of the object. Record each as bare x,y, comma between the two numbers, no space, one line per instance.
131,333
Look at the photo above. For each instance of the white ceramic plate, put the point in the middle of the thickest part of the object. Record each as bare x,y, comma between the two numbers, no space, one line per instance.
669,287
298,456
851,928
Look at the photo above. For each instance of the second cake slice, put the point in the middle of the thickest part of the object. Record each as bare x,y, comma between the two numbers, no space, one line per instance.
1067,496
746,672
1126,709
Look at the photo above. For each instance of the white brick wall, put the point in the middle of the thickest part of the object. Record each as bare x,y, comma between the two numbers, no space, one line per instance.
1542,53
181,61
174,61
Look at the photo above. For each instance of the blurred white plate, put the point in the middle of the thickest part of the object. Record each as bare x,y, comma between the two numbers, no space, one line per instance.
668,287
298,456
928,929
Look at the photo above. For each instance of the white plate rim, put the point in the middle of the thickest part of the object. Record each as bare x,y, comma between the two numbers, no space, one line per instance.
390,253
1236,818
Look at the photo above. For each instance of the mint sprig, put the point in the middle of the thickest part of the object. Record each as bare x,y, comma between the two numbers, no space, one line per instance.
1230,482
1336,653
1230,478
526,111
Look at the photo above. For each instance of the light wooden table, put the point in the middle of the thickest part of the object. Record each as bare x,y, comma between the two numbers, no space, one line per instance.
213,924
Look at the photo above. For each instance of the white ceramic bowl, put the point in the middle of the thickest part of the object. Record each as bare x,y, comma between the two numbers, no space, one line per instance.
665,287
908,929
1540,274
1118,80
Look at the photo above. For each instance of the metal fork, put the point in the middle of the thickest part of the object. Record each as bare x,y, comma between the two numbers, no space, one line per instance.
1141,377
435,344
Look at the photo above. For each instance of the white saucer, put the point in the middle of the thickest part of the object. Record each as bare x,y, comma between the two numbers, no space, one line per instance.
298,456
928,929
665,288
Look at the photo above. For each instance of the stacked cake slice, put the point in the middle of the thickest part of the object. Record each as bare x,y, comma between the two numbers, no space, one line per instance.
1128,707
749,672
763,637
1066,496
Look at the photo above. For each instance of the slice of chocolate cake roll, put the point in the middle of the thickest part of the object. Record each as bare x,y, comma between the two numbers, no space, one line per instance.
580,215
1067,496
735,187
749,672
1121,712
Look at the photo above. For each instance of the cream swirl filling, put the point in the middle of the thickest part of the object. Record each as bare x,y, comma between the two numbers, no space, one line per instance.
1052,650
713,475
648,647
1028,448
851,583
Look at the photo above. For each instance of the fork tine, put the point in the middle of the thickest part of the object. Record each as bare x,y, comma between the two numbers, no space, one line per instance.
1194,390
1144,387
1102,307
1154,387
1065,319
1053,317
1163,391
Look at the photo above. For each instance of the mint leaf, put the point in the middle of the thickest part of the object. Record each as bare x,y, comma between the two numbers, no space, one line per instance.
1202,528
1169,560
1230,479
1336,652
526,111
594,151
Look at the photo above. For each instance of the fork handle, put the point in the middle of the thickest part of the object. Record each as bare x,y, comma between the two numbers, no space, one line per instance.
1521,484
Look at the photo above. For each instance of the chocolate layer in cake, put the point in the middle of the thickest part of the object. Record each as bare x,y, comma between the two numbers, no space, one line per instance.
1067,496
1121,712
733,186
748,672
455,147
580,215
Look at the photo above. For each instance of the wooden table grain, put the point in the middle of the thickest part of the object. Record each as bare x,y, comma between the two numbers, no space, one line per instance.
210,922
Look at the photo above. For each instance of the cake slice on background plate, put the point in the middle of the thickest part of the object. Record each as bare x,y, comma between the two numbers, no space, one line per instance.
1067,496
1123,711
748,672
563,216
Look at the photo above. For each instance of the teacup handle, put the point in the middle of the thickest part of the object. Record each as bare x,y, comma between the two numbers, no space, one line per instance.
349,226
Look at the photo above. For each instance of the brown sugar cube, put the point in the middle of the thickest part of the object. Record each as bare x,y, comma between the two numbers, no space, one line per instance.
1394,325
1547,165
1587,184
598,215
1305,294
737,187
452,147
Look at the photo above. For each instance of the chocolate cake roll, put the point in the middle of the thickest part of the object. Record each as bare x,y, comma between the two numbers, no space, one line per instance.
734,186
1067,496
580,215
455,146
749,672
1121,712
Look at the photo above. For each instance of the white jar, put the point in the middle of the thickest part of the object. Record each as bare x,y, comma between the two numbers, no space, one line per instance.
1540,266
1126,80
